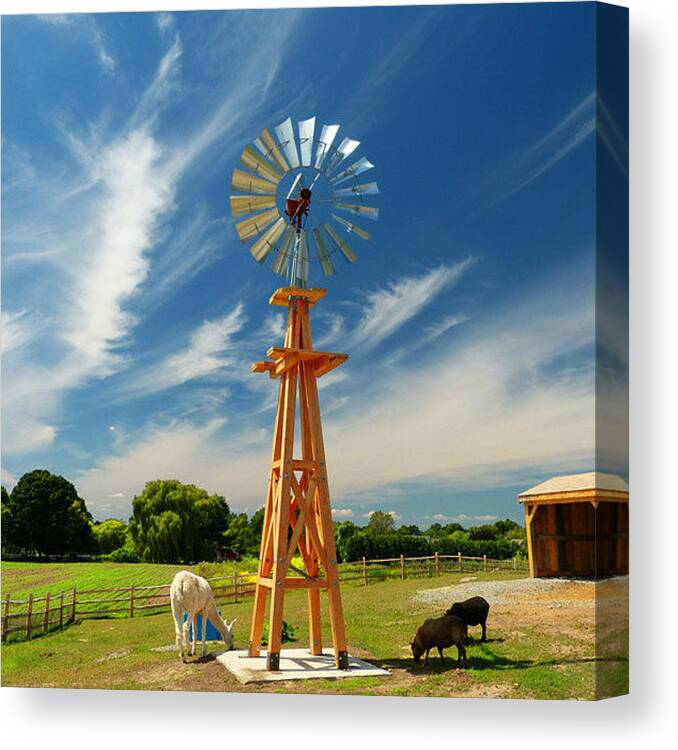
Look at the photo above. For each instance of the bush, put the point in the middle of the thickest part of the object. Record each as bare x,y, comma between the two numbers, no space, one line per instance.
110,535
288,633
124,554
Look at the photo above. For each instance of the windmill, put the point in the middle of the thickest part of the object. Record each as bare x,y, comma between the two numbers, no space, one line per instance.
297,197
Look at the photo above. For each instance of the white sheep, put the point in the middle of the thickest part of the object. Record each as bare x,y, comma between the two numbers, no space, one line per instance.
192,594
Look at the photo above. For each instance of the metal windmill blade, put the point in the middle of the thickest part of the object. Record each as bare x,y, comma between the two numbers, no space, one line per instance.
306,129
343,246
323,253
327,136
250,204
281,263
367,188
352,228
358,167
268,240
346,148
248,229
269,148
257,164
366,211
250,183
285,133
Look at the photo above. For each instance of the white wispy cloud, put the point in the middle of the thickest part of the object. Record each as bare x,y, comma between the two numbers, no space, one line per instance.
388,309
522,168
207,352
165,21
87,28
164,82
105,58
136,192
16,330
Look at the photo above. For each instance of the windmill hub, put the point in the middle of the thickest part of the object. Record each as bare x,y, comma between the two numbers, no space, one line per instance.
297,208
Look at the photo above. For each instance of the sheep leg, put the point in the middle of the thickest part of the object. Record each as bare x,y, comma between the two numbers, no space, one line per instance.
440,651
178,631
426,658
204,634
195,635
185,640
461,654
484,638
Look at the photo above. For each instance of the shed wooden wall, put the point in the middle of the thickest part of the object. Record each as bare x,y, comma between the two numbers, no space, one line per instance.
574,539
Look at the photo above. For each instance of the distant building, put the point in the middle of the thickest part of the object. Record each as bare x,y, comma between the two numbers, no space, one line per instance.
578,525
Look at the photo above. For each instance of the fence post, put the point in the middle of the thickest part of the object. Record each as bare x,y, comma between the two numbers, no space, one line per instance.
402,567
484,563
437,565
29,616
131,600
365,571
5,618
73,608
61,609
461,562
235,588
515,563
47,600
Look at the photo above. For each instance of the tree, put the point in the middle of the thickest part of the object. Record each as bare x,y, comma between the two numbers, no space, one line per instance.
411,530
8,532
45,515
380,523
506,526
110,535
485,533
343,531
255,528
173,522
235,536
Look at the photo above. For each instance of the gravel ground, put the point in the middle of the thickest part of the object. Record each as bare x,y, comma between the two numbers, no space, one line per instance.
502,592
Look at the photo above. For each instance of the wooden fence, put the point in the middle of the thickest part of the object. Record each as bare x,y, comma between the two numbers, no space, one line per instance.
37,615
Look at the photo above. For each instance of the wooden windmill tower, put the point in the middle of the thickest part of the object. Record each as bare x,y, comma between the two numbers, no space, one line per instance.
275,191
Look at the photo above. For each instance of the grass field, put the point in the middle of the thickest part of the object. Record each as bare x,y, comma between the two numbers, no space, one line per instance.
20,578
535,649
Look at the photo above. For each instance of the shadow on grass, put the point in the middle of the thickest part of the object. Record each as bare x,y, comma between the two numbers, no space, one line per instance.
19,636
484,661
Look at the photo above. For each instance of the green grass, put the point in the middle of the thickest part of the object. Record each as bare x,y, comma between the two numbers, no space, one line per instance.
21,578
531,659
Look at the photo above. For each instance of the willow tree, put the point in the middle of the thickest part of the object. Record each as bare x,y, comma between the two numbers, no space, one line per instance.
173,522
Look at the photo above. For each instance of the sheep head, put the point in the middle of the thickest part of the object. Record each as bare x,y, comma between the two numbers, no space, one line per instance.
228,633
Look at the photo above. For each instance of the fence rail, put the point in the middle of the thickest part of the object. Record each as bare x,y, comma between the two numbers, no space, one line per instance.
36,615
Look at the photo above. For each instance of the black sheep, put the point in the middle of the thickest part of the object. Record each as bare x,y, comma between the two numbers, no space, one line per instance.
440,633
473,611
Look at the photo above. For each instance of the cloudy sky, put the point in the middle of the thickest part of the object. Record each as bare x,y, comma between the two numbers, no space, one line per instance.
131,312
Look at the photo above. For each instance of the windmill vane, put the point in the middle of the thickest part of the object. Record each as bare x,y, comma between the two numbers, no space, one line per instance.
279,219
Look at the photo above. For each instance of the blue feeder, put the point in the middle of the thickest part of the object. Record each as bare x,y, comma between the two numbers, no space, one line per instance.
212,633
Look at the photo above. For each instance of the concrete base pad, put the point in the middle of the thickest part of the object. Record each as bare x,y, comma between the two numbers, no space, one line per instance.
295,664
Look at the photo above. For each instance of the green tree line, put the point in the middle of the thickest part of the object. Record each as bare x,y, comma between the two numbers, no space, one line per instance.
172,522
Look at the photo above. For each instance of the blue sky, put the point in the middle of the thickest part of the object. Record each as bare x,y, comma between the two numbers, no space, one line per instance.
131,311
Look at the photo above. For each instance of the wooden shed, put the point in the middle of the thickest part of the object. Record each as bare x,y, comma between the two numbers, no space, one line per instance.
578,525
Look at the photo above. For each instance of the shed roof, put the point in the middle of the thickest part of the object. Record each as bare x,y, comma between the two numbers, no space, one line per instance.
592,480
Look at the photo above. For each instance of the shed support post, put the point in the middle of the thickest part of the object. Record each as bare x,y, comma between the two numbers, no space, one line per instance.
530,510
